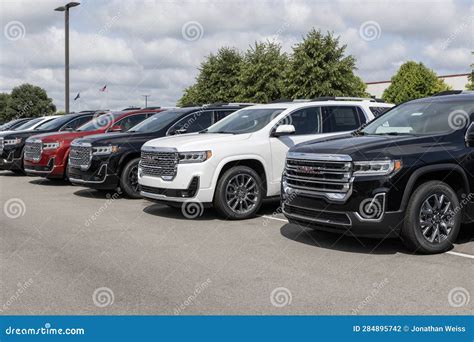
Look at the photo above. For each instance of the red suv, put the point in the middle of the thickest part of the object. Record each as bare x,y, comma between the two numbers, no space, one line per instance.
46,155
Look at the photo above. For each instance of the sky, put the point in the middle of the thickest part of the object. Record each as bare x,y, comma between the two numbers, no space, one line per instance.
154,47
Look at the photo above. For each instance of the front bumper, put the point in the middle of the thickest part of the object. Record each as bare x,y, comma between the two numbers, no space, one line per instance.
50,165
367,212
96,178
11,159
191,181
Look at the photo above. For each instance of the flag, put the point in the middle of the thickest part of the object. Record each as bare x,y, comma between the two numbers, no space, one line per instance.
77,96
104,88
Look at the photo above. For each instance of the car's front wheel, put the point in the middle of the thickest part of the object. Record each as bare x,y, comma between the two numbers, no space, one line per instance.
239,193
129,179
433,218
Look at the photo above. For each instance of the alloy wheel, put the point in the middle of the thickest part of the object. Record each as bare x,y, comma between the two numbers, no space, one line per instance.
436,218
242,193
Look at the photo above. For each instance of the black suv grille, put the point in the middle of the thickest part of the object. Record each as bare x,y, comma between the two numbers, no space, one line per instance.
318,175
33,150
80,156
159,164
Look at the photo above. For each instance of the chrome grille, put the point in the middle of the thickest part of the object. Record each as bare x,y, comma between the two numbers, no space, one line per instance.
159,164
80,155
319,173
1,145
33,149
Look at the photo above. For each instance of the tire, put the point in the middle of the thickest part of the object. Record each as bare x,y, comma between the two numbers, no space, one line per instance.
128,178
252,195
444,229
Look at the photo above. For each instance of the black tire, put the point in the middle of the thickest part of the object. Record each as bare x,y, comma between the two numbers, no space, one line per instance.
412,230
225,182
128,178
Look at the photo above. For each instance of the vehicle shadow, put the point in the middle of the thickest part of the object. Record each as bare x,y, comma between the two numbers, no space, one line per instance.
343,243
49,182
100,194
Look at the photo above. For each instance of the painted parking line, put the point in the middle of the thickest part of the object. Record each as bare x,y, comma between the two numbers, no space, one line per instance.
462,255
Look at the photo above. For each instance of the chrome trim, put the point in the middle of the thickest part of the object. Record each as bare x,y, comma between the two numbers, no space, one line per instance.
159,149
326,157
320,194
312,219
380,219
82,181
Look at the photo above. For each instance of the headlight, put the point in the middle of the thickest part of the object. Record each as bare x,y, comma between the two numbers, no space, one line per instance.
15,141
194,157
377,167
51,145
104,150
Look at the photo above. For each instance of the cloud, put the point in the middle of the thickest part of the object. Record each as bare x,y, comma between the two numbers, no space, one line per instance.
137,47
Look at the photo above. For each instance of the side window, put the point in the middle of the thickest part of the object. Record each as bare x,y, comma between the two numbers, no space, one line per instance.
340,119
305,121
73,124
377,111
220,114
192,123
130,121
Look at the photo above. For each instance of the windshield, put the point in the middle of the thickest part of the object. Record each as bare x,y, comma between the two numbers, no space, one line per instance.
245,121
422,118
159,121
28,124
102,121
55,123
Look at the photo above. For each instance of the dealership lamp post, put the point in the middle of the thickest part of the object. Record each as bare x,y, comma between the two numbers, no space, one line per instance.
65,9
146,100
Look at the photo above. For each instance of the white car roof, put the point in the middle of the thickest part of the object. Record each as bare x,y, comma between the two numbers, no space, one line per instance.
304,103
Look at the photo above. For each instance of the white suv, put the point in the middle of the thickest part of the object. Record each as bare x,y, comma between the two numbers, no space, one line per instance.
237,162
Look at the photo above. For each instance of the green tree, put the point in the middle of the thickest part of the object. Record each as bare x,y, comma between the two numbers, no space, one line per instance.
4,98
261,76
217,79
28,100
412,81
319,67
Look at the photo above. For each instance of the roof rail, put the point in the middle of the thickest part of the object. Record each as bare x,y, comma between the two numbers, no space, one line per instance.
345,98
217,104
131,108
449,92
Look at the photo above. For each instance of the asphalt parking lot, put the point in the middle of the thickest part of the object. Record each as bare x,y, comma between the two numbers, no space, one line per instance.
71,250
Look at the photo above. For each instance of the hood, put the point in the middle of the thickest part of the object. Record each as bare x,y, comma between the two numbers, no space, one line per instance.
63,136
197,141
117,138
19,134
371,147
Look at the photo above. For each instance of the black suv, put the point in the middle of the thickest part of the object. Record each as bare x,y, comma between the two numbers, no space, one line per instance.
110,161
408,173
13,143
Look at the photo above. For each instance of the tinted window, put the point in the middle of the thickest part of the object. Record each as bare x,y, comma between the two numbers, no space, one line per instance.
340,119
130,121
28,124
305,121
73,124
160,121
220,114
377,111
194,122
56,123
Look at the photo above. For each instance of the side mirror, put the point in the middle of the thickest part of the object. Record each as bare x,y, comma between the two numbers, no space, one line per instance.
284,130
115,129
470,136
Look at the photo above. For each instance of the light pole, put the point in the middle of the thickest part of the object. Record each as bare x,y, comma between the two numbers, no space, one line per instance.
65,9
146,100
